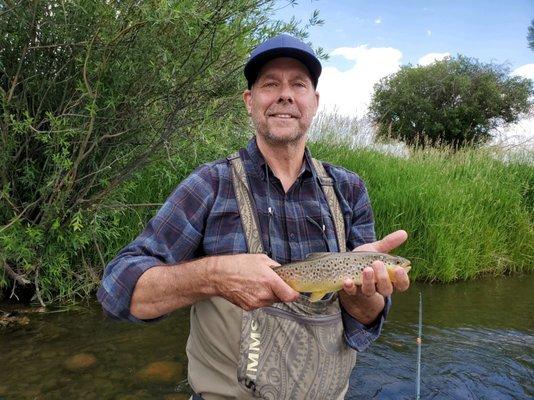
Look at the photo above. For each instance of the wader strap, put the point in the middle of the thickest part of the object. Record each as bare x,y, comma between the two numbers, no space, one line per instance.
249,218
327,183
245,203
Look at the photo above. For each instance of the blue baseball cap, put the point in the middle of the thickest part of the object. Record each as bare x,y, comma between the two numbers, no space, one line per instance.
282,46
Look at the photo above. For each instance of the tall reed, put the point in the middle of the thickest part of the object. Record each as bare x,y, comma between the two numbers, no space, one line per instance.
467,213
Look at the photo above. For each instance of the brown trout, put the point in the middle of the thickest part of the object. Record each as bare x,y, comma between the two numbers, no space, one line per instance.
322,273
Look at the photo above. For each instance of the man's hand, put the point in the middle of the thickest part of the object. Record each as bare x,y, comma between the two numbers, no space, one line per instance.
248,281
367,301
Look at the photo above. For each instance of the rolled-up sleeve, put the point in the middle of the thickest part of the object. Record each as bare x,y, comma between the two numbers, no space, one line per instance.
120,277
172,236
359,336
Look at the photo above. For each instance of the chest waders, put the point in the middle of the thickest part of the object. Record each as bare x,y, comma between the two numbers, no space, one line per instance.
295,350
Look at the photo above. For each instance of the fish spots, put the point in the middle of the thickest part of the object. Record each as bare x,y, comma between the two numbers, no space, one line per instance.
330,269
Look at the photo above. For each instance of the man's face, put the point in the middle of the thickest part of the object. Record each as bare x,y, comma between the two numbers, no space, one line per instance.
282,101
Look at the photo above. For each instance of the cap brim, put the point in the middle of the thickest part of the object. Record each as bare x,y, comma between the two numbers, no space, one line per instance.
255,64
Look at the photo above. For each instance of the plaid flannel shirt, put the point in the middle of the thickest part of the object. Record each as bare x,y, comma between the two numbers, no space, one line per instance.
201,218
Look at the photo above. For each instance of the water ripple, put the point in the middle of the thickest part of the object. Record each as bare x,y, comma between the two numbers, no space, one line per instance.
461,363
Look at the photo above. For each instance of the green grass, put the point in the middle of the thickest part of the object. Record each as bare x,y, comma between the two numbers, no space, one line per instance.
466,213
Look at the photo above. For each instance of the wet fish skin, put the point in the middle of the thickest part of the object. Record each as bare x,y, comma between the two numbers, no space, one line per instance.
321,273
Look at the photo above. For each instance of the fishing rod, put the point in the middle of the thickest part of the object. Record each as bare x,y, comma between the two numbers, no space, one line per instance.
418,378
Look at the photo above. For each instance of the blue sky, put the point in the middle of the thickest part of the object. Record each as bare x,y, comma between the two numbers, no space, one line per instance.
492,31
368,40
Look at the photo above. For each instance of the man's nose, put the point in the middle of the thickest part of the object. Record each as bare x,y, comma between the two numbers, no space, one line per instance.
285,95
285,98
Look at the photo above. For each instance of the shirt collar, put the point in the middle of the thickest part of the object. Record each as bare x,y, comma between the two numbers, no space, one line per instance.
258,162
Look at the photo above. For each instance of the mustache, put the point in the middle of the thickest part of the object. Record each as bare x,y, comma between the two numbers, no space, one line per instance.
290,111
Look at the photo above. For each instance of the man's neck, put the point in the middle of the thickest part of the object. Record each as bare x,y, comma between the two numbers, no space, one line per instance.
285,160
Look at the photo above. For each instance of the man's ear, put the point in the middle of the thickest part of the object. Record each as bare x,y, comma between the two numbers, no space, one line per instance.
247,99
317,96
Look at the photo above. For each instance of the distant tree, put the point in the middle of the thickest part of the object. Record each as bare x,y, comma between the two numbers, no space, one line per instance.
456,101
530,35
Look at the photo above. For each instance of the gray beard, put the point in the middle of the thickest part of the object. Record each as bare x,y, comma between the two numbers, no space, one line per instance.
283,141
279,141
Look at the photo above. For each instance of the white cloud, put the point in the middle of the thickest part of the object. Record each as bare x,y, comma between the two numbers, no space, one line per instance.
520,133
526,71
349,92
378,21
429,58
429,32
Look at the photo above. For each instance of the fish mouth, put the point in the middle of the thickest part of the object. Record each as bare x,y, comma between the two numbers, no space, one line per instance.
406,265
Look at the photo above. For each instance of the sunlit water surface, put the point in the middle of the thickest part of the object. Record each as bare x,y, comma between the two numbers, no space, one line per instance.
478,343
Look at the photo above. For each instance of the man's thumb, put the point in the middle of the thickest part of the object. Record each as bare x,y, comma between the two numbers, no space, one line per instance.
284,292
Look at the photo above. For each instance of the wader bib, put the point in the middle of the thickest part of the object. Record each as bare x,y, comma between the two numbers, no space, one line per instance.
283,352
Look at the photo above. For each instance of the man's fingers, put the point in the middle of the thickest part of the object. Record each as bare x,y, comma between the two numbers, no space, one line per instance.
349,287
280,289
368,281
270,262
402,282
391,241
283,291
383,284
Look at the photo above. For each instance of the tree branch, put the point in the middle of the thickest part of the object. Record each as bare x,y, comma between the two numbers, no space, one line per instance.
16,277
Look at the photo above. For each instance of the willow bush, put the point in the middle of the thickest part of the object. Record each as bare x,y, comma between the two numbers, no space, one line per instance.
92,92
132,206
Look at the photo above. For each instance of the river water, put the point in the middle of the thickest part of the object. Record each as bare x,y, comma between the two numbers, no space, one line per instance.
478,343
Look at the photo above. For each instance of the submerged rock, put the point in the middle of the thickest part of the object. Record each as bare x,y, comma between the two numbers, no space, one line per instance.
13,321
11,316
80,361
161,371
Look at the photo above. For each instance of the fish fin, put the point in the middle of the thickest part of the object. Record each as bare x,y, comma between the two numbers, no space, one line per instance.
316,296
313,256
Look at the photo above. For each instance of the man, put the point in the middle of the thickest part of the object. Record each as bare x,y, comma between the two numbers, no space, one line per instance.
251,334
